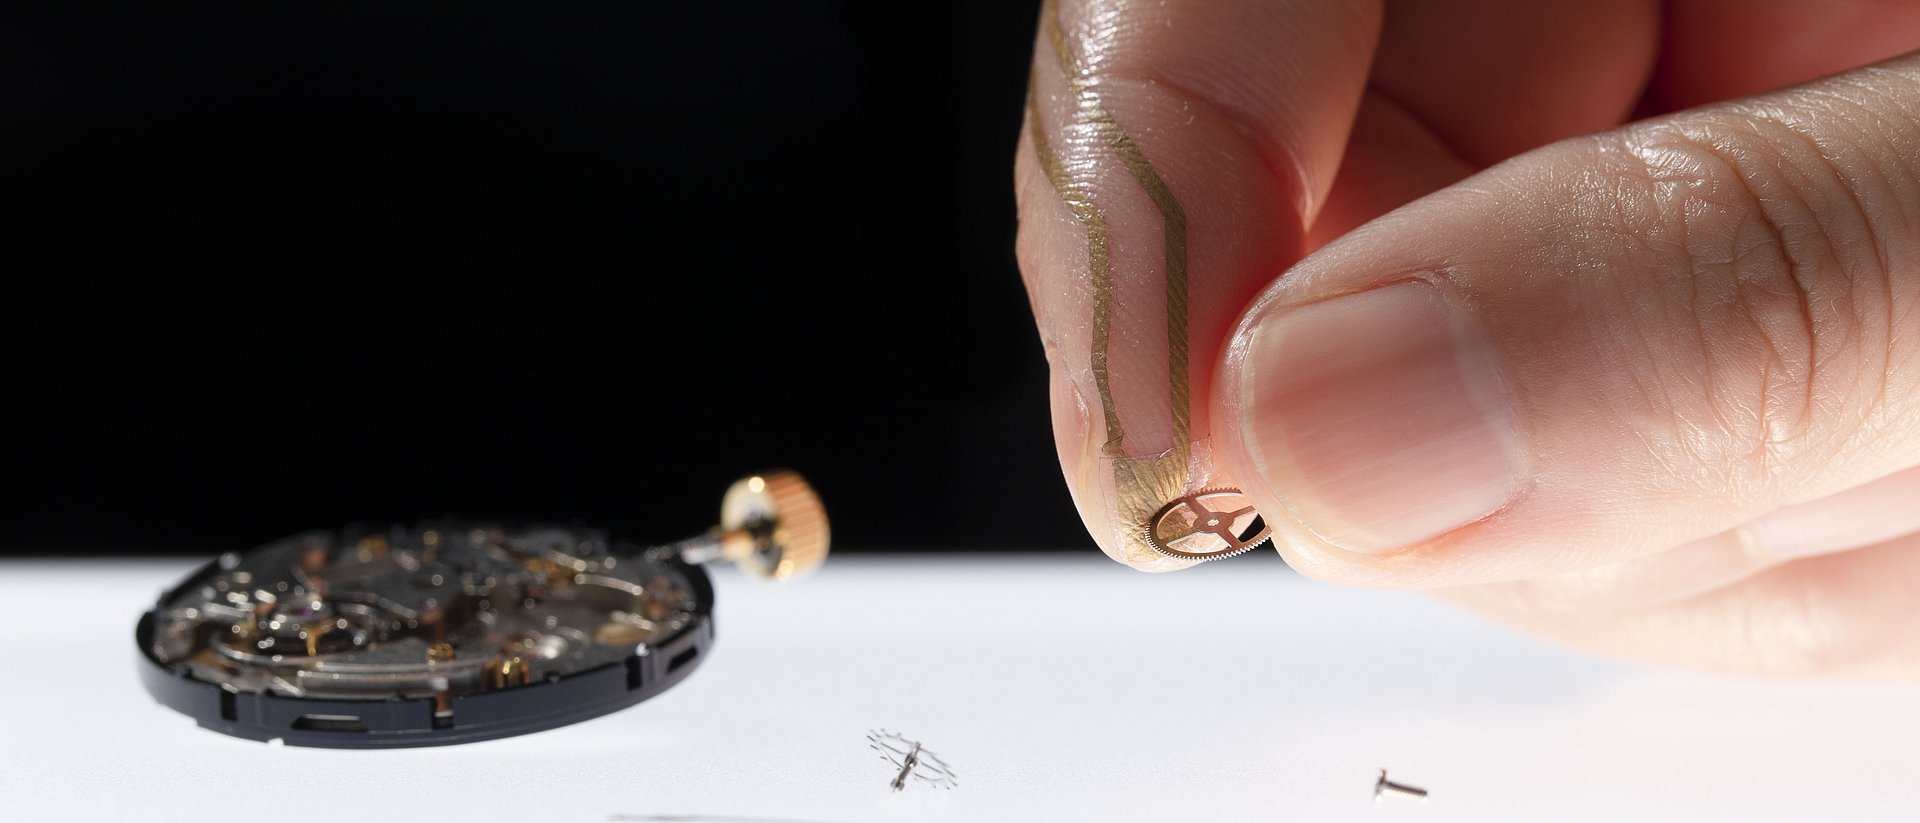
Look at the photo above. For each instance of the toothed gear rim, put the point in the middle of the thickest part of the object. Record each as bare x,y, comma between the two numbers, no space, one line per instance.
1206,520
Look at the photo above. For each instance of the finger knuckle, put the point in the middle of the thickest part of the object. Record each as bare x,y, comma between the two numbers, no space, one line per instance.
1785,243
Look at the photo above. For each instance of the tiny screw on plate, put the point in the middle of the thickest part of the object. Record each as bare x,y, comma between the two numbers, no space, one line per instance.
1383,786
1210,524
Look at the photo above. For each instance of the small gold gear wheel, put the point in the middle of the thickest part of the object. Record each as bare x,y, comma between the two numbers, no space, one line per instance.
773,527
1210,524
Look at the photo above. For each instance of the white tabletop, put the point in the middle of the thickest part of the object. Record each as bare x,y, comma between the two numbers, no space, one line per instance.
1058,687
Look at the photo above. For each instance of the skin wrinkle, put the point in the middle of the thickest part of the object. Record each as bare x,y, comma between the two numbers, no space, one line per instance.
1849,323
1767,212
1692,315
1659,384
1850,111
1883,400
1773,360
1847,339
1700,158
1813,149
1624,225
1753,252
1903,151
1707,448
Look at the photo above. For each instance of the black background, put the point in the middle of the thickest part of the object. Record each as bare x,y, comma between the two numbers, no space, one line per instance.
282,266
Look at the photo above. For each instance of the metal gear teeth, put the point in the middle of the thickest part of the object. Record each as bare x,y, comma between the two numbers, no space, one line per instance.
1206,558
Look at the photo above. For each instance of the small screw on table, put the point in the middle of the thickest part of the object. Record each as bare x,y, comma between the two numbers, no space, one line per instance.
1383,786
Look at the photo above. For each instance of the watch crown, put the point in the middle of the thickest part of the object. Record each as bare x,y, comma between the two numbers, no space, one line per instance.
773,526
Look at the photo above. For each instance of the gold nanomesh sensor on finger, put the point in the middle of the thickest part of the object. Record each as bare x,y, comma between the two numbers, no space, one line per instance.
1210,524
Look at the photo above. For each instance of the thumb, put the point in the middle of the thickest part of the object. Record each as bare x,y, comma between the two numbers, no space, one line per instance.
1170,162
1597,350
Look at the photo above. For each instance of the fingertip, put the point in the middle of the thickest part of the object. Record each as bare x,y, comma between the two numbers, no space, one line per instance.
1158,192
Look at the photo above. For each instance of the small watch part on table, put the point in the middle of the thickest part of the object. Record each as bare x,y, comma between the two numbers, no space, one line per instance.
910,760
1383,787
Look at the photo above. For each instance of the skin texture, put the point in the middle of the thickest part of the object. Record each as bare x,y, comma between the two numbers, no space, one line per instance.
1670,250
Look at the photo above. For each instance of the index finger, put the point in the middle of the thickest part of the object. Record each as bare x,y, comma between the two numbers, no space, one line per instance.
1172,158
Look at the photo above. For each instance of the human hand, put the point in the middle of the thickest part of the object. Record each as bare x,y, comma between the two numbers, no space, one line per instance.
1610,328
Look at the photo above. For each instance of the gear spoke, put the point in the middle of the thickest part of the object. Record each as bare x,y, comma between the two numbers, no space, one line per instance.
1217,515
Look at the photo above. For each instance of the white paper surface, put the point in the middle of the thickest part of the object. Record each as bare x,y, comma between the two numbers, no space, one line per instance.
1059,687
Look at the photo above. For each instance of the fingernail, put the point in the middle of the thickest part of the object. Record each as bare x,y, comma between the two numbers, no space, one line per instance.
1379,418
